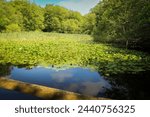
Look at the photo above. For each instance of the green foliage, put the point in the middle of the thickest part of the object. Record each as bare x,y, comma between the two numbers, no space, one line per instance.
70,26
124,22
13,28
69,49
31,17
7,15
53,17
89,23
61,20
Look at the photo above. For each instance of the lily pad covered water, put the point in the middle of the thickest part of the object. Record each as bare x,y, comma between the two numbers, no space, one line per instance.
66,49
126,71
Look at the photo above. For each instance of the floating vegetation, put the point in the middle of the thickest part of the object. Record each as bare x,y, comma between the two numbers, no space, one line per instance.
35,48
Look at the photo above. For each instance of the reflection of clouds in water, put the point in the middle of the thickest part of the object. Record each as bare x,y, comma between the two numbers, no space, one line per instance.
74,87
60,77
90,88
80,80
93,88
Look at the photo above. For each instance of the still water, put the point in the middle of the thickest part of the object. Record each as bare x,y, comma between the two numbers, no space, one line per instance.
13,95
83,80
79,80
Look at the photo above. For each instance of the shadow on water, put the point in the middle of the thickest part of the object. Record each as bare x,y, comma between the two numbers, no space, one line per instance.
5,70
83,80
130,86
13,95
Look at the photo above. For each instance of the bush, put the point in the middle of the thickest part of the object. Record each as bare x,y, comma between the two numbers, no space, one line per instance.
13,28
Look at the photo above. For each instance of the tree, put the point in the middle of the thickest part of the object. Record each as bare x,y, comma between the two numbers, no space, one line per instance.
70,26
62,20
53,16
124,22
32,16
89,23
6,15
21,13
13,28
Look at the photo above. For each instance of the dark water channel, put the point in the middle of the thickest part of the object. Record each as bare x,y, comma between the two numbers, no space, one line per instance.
13,95
84,81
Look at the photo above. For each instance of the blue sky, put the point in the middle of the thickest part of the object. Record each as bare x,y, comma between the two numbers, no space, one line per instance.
83,6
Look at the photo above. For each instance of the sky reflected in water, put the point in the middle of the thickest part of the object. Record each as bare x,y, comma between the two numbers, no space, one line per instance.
81,80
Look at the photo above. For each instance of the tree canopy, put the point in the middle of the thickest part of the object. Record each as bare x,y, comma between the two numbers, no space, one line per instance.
125,22
62,20
23,15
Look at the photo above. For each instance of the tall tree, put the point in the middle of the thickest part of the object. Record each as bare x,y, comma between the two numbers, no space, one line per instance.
123,21
62,20
89,23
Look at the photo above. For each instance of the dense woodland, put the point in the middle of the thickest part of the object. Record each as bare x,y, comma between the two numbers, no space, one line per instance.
22,15
121,22
124,22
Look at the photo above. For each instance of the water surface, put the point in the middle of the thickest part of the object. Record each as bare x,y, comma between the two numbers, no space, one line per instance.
83,80
80,80
13,95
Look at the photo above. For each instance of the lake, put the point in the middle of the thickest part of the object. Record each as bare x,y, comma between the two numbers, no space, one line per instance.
84,81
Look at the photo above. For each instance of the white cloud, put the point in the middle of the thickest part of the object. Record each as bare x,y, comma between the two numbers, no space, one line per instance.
93,88
82,6
61,76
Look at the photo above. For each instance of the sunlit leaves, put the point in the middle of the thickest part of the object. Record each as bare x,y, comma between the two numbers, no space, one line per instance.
66,49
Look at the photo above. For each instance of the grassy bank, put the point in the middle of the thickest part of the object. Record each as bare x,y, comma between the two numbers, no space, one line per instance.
37,48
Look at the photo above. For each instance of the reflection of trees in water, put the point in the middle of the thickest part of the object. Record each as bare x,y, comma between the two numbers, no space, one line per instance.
130,86
5,70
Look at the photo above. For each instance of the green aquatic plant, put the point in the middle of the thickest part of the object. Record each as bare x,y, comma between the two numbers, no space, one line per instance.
34,48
